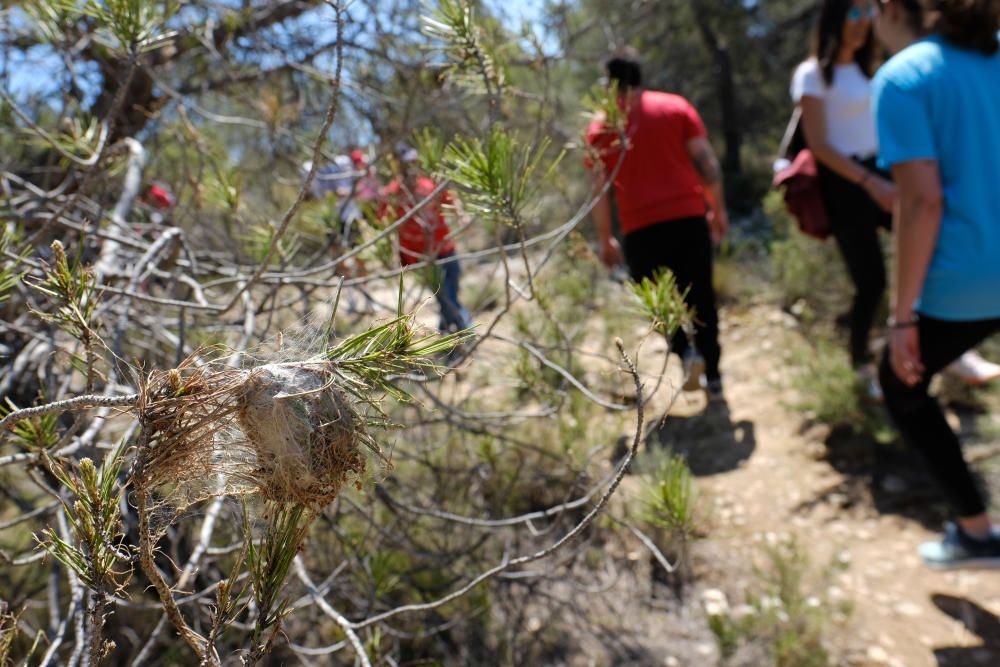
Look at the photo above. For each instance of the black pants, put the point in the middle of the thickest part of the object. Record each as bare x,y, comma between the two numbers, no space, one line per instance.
685,247
854,222
919,417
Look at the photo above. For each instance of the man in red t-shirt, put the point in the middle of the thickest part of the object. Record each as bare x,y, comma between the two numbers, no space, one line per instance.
670,203
425,237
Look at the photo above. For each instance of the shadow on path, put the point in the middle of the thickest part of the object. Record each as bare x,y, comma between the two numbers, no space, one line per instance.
892,478
979,622
710,442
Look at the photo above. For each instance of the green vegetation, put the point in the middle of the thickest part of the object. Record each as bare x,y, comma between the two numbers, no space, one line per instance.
829,392
493,446
809,275
662,302
788,612
671,499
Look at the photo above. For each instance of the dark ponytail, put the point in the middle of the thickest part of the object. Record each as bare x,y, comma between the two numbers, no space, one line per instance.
970,24
915,14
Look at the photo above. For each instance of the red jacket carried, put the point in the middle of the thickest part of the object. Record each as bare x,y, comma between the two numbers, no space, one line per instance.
799,183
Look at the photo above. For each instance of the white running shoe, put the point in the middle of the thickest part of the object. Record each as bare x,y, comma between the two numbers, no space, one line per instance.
868,379
972,369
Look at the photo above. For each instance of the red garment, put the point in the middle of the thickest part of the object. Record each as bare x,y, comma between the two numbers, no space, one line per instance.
424,235
799,184
159,197
657,180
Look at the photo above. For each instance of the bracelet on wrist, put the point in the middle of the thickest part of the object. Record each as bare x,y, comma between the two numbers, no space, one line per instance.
893,323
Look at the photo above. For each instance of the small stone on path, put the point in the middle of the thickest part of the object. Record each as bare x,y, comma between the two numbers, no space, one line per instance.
878,655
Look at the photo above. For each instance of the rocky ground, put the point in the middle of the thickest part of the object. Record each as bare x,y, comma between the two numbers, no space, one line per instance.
767,477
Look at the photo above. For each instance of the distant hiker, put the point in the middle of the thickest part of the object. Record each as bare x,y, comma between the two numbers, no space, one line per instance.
426,237
158,197
833,89
366,186
937,105
670,203
338,182
157,202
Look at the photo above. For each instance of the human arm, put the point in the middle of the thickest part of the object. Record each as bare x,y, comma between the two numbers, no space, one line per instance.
917,224
882,191
600,140
609,250
707,166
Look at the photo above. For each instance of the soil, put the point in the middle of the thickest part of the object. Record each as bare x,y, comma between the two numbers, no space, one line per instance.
768,474
764,474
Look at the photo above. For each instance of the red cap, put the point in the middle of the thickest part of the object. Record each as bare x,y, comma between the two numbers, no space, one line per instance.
159,197
359,158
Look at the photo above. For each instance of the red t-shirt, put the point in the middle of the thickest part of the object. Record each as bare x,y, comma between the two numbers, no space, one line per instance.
422,236
657,180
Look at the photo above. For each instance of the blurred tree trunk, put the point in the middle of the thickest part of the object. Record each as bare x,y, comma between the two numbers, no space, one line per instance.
732,162
139,103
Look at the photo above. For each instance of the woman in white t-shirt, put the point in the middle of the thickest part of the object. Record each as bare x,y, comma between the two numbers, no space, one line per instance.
833,88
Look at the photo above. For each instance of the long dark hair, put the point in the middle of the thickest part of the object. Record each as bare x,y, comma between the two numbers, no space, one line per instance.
968,24
827,39
916,16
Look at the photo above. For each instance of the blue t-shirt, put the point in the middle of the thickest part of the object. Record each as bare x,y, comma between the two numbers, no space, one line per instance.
935,101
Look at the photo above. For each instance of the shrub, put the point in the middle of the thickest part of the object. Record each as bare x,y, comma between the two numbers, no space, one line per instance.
671,499
671,508
805,270
828,392
788,612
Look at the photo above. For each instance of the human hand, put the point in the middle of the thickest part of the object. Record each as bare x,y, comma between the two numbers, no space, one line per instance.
904,354
882,191
611,252
718,224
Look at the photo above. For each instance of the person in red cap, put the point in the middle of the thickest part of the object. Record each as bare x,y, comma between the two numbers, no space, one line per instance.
159,201
366,188
158,197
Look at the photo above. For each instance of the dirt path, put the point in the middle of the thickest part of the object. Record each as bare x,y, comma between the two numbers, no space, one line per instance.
764,476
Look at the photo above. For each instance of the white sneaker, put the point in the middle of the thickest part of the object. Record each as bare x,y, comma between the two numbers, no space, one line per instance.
868,379
972,369
694,368
713,389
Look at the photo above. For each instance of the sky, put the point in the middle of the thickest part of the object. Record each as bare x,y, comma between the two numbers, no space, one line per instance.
36,73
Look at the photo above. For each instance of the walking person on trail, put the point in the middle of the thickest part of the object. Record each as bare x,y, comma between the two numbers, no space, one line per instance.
937,107
670,202
366,186
426,237
339,180
833,89
335,189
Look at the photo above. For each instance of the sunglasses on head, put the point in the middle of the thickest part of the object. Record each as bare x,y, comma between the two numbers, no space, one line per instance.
855,14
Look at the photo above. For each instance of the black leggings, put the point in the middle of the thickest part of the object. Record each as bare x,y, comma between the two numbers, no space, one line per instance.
685,247
854,222
919,417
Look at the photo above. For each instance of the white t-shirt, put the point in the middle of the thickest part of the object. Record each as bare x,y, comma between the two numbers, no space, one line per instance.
850,125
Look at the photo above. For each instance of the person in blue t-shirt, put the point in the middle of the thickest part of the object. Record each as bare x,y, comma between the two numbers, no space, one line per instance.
937,108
